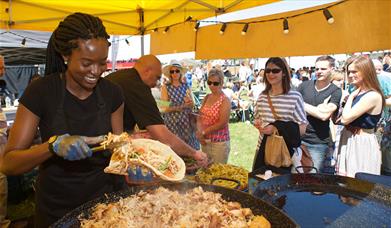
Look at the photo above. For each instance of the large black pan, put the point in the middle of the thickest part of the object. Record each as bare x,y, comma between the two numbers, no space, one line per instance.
318,200
276,217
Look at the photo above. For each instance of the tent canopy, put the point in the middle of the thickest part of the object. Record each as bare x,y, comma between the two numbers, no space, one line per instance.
128,17
359,26
33,53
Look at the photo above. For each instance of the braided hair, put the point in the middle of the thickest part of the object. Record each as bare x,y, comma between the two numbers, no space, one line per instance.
64,39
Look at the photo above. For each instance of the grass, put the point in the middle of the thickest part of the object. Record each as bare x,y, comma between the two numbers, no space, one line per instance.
244,138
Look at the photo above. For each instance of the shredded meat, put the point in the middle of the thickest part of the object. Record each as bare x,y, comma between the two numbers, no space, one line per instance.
123,154
166,208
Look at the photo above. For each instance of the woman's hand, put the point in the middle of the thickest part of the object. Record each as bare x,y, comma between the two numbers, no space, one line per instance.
201,158
355,93
71,147
258,124
188,102
267,130
178,108
200,137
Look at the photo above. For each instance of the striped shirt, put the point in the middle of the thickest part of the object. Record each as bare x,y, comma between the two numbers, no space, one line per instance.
289,107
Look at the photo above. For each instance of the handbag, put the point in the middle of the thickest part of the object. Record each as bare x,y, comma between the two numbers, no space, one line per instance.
306,159
276,150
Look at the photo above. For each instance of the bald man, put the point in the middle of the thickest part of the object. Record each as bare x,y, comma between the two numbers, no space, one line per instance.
141,107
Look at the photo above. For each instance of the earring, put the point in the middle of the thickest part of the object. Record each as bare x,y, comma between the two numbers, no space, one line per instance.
66,62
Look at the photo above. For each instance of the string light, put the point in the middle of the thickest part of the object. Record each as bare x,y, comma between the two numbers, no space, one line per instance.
326,12
244,30
188,19
23,42
223,27
328,16
197,25
286,26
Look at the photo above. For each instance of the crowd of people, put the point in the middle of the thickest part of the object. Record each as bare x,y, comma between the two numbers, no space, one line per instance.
339,115
342,114
331,114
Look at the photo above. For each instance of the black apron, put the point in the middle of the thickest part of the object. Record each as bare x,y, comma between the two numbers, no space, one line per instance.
64,185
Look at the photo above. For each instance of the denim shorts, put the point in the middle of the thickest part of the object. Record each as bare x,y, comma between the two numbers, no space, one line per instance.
318,153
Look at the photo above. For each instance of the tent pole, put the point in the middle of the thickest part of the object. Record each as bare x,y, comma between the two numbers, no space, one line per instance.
142,28
142,44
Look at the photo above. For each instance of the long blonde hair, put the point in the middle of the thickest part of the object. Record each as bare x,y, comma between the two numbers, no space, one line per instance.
368,71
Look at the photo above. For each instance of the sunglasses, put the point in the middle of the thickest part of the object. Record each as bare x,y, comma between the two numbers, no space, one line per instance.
317,69
274,70
213,83
175,71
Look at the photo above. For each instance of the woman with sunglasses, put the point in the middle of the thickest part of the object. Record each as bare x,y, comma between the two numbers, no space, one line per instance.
177,116
213,131
358,149
278,108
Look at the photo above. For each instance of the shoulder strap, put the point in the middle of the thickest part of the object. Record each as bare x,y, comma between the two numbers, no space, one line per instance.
272,108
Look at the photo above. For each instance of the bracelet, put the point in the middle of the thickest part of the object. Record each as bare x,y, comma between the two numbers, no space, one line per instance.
51,141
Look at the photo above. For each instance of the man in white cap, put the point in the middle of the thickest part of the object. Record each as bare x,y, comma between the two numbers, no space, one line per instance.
141,108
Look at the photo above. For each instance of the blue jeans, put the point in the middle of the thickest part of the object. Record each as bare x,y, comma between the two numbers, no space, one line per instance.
318,153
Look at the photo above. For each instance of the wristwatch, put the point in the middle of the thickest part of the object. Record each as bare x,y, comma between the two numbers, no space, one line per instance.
51,141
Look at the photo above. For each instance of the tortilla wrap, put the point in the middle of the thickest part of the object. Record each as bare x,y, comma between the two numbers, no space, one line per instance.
119,163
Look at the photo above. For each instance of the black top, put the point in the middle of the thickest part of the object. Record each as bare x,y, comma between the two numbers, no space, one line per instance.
366,120
318,131
42,97
64,185
140,106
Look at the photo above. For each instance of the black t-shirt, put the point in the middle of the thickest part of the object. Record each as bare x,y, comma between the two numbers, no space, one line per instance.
140,106
42,97
64,185
318,131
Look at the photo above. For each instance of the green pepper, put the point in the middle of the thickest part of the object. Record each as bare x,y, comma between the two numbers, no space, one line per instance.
164,166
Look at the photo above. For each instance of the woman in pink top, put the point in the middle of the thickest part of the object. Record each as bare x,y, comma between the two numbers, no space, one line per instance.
213,131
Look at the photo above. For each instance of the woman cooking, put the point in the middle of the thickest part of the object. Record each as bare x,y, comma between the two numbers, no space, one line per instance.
71,100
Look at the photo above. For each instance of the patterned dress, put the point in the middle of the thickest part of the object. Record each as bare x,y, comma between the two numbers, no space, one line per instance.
179,122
